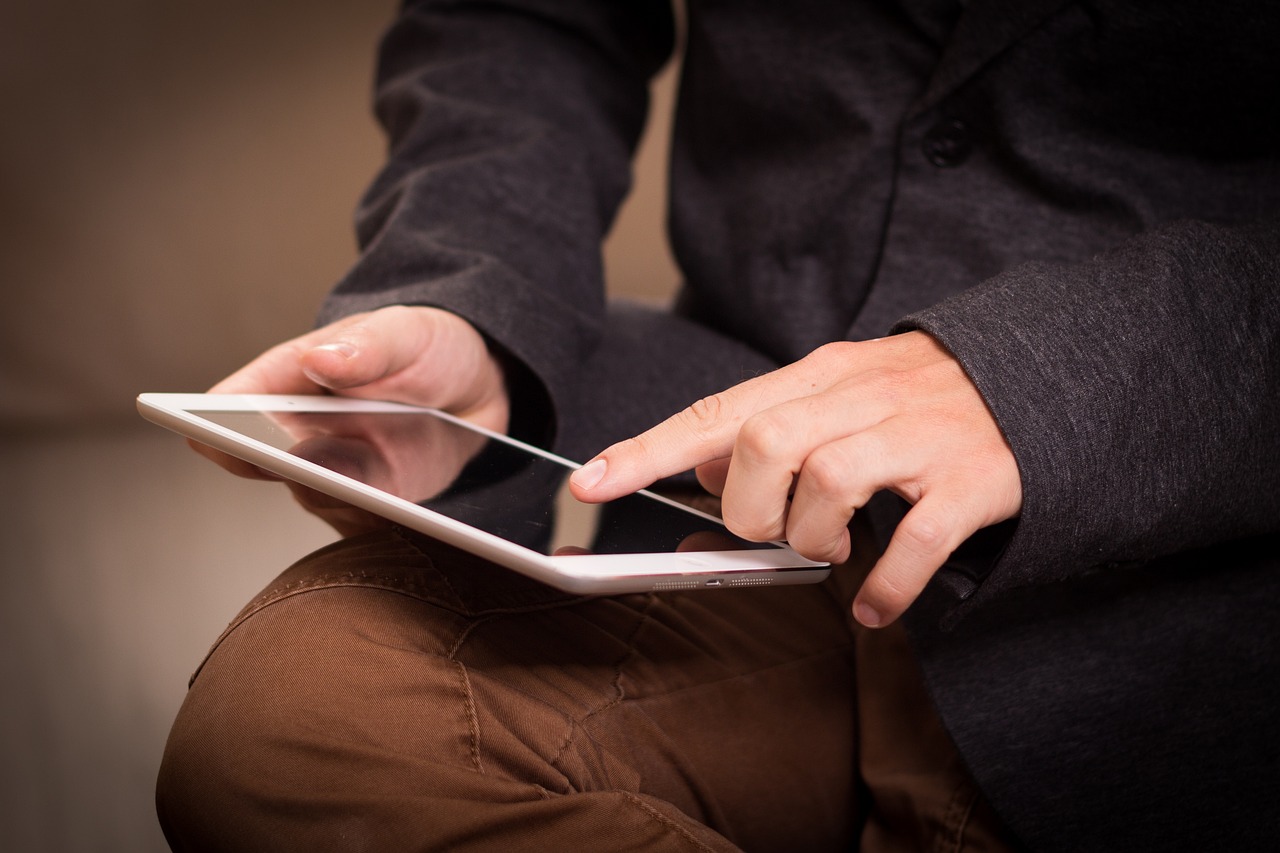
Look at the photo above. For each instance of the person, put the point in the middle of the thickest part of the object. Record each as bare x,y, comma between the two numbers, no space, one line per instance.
979,301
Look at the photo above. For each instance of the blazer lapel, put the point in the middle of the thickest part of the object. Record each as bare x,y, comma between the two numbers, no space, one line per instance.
984,30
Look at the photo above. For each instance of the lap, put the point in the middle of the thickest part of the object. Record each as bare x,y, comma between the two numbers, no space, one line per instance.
400,694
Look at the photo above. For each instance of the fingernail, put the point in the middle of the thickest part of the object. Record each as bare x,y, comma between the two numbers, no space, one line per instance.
342,348
589,475
866,614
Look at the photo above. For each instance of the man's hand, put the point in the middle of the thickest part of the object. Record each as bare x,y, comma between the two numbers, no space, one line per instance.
417,355
796,452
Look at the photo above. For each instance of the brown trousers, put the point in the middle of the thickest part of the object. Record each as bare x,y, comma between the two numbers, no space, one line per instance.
389,693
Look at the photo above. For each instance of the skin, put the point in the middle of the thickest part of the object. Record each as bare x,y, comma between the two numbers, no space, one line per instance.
793,454
796,452
417,355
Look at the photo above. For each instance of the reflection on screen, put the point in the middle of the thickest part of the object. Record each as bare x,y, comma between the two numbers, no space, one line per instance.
492,485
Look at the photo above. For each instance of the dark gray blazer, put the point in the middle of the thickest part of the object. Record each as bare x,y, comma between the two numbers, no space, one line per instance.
1081,200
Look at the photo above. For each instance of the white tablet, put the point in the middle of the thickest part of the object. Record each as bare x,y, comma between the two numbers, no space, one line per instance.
479,491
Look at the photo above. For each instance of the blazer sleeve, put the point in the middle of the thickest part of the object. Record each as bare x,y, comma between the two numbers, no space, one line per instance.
1140,392
511,127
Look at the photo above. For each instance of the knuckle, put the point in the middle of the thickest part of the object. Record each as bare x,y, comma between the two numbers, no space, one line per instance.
361,321
702,417
924,533
390,313
766,435
827,471
825,363
835,352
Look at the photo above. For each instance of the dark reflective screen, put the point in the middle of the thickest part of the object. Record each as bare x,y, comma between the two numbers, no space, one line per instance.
488,484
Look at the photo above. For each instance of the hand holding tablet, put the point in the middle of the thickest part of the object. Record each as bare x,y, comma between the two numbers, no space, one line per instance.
476,490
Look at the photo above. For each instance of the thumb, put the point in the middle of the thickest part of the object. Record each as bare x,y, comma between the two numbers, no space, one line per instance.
341,364
361,351
412,353
339,356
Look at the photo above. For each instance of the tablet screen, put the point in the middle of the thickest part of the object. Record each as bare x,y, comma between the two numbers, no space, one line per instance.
497,487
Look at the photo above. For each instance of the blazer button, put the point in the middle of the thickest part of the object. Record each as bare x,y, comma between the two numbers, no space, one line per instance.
947,144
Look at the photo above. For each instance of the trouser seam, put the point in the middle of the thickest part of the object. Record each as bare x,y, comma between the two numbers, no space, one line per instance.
645,807
576,725
465,635
407,540
473,715
664,820
393,583
617,683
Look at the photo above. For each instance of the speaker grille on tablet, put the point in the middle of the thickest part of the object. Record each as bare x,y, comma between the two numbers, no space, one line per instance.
660,586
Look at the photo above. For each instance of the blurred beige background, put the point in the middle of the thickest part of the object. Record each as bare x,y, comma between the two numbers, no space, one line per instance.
176,188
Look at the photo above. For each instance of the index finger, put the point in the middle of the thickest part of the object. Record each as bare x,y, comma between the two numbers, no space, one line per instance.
703,432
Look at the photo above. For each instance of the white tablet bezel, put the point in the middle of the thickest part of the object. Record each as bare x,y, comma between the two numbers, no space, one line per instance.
583,574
